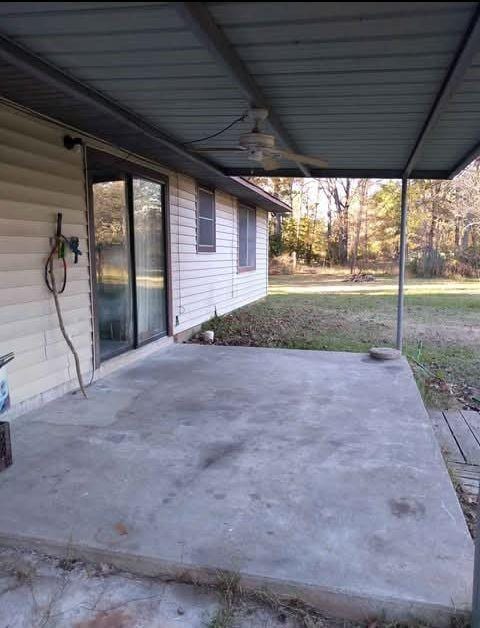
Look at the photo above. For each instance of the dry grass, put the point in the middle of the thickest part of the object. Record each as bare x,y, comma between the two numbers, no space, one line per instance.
235,600
321,311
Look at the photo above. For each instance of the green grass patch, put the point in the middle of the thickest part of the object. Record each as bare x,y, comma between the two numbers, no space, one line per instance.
320,311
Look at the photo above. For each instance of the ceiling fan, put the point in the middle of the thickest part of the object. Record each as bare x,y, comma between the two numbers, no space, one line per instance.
260,147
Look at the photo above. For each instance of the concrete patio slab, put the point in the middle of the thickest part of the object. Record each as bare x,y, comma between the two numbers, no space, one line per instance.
313,473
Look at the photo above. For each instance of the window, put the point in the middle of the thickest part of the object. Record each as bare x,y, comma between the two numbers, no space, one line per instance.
205,220
247,238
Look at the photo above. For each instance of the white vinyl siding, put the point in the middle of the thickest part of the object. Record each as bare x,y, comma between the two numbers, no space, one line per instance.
203,284
39,178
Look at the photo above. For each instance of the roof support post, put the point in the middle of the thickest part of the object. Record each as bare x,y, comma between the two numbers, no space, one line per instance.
402,262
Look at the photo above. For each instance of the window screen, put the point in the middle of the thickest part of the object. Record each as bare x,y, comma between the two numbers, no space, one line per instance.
206,220
247,238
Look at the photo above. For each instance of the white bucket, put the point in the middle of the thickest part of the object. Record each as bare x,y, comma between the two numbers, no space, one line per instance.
208,336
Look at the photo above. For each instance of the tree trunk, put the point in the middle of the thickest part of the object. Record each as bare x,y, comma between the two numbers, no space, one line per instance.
278,226
457,234
365,245
329,254
356,244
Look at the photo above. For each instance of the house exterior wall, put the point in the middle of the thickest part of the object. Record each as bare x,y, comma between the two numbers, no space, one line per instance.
207,282
38,178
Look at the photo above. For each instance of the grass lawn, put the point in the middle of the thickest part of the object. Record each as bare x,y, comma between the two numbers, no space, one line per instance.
321,311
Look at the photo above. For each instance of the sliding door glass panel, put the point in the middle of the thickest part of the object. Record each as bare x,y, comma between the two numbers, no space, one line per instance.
148,220
112,256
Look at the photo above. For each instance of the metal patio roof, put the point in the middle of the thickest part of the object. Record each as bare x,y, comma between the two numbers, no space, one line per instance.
380,89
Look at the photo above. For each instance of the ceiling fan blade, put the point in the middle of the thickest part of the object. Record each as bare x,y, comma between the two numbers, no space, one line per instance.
219,149
270,163
302,159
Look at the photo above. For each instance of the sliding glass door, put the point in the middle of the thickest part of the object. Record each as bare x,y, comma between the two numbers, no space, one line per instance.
112,266
149,236
128,212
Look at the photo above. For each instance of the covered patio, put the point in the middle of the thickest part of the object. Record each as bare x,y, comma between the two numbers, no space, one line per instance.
311,473
381,90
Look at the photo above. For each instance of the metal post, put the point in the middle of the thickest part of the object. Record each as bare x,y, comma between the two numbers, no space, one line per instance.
401,264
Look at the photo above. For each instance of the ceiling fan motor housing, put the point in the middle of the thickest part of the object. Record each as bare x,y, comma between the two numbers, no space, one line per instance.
257,141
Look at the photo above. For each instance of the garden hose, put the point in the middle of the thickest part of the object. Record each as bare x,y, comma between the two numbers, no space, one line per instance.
51,283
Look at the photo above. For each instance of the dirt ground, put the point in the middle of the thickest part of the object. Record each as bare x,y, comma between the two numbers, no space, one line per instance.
41,592
38,591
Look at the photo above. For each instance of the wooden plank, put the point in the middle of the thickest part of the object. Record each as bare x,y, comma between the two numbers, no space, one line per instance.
465,470
445,438
469,481
464,436
473,468
470,490
473,420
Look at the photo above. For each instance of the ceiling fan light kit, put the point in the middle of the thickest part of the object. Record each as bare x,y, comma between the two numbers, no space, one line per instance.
257,140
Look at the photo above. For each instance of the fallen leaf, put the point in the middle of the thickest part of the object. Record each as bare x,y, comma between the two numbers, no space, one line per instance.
121,528
106,619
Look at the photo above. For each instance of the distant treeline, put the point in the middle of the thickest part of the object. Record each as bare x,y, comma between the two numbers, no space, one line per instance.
355,223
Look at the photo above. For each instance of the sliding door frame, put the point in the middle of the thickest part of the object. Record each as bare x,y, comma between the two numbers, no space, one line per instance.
164,183
129,170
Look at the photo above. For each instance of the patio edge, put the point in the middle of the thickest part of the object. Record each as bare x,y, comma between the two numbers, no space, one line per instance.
336,603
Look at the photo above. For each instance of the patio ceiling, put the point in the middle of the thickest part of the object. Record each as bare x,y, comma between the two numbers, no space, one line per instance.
379,89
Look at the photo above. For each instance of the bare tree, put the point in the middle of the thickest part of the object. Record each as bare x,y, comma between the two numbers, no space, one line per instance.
361,192
340,194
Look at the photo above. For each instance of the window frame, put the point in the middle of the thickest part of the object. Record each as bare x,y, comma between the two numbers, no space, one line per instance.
206,248
251,210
